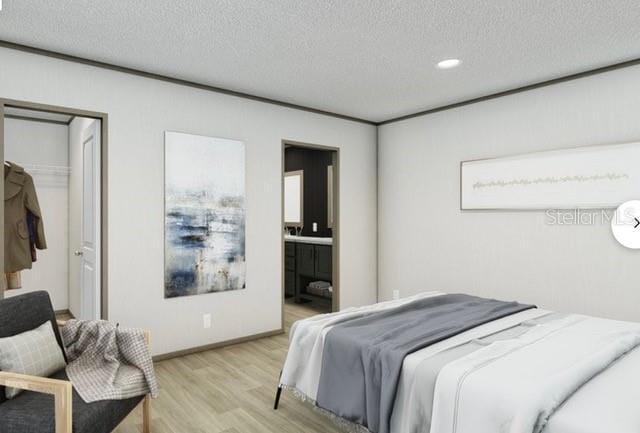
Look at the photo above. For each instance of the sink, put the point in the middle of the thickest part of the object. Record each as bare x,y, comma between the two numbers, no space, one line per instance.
308,240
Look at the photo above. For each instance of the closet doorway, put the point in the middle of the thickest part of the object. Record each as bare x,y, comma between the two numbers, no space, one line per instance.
54,213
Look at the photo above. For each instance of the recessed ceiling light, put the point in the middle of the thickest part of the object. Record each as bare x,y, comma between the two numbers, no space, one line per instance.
449,63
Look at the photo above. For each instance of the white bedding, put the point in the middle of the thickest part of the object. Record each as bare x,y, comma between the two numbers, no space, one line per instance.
522,381
407,408
301,370
606,404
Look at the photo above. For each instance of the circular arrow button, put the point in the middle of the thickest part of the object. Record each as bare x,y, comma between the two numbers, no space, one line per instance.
625,224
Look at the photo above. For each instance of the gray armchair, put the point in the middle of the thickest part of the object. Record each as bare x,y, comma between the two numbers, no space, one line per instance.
51,405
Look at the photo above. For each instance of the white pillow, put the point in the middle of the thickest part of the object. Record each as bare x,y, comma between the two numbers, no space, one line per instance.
34,352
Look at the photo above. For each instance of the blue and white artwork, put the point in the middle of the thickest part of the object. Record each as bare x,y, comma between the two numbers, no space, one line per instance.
204,215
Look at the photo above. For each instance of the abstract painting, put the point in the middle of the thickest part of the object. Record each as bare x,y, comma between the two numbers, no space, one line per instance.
204,215
587,177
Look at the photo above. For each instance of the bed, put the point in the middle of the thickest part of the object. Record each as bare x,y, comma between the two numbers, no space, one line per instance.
454,363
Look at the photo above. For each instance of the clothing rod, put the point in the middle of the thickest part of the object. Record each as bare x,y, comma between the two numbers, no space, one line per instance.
51,170
44,166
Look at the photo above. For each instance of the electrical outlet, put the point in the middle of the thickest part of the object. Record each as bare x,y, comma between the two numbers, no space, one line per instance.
206,321
396,294
315,227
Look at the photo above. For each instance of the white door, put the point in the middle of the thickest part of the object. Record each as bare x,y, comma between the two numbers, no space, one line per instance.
88,250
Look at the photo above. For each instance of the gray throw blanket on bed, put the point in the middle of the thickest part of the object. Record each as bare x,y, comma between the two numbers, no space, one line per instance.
362,358
108,363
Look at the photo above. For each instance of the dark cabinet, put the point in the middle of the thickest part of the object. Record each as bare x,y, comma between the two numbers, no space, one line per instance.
290,263
314,261
305,259
289,269
305,263
289,249
289,283
323,265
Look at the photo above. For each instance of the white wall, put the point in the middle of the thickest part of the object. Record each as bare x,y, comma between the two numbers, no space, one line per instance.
29,143
427,243
140,110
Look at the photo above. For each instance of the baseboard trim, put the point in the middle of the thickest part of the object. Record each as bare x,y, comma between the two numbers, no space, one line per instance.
218,345
65,311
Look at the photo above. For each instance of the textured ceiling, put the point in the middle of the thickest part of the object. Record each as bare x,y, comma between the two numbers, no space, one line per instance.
370,59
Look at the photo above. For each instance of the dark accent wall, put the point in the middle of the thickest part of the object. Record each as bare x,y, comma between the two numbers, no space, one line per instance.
314,163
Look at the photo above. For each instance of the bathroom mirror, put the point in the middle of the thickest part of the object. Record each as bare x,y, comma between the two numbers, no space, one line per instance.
294,198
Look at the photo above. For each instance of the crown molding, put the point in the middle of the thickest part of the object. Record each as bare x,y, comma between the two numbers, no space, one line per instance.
526,88
178,81
201,86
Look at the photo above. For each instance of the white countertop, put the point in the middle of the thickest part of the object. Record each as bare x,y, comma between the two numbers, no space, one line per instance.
308,240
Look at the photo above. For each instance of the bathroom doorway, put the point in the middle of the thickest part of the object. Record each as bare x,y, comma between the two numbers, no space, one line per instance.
310,230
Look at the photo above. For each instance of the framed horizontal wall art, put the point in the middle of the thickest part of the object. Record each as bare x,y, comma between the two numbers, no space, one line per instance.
204,215
589,177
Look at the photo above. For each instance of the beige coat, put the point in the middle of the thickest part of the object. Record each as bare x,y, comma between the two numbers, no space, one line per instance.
20,197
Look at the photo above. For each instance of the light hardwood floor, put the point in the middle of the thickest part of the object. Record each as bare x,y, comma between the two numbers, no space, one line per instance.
231,390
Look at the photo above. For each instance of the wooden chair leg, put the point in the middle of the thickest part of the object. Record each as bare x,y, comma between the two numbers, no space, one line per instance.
63,408
146,403
146,414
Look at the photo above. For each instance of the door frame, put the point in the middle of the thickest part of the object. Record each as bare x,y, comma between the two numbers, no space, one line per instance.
104,146
335,245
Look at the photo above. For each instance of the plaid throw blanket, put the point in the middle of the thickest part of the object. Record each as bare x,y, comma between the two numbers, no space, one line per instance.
108,363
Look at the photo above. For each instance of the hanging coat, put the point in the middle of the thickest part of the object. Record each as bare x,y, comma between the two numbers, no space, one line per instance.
19,199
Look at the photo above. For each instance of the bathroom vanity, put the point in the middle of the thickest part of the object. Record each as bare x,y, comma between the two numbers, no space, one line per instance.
307,259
